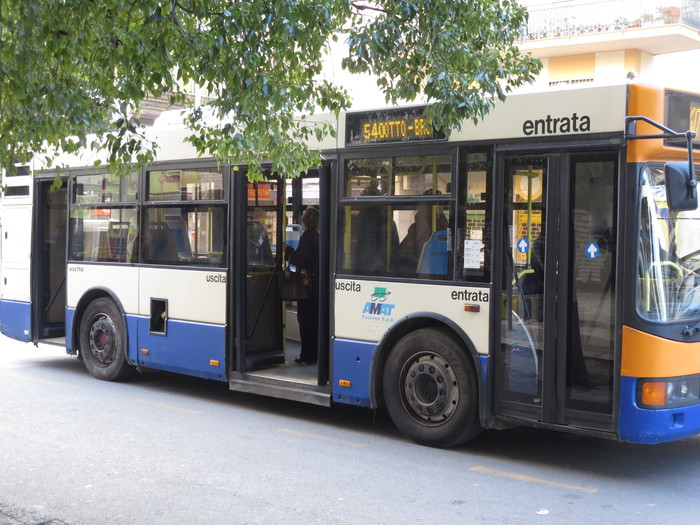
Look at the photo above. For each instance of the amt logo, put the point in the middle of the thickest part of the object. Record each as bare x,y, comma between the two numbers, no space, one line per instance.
376,309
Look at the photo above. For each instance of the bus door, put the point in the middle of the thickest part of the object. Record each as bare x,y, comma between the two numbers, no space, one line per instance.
49,262
266,339
273,218
263,227
16,210
554,358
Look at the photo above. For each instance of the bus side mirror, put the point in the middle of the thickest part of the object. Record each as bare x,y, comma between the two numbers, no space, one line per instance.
681,187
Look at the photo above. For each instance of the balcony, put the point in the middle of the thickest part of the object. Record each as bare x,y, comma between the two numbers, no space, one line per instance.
589,26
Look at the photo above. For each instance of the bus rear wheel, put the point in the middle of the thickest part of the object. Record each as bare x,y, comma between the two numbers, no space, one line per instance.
103,341
430,389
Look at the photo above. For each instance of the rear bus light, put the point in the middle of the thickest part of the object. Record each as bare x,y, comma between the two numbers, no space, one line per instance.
669,392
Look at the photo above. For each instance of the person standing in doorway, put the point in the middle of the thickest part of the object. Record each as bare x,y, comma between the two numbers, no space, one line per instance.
306,257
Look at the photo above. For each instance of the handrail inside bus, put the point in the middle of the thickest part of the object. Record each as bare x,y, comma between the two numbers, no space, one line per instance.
273,276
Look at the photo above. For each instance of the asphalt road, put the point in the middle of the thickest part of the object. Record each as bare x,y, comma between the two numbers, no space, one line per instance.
165,449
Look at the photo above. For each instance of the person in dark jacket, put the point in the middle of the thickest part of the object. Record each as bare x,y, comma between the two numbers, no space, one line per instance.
306,256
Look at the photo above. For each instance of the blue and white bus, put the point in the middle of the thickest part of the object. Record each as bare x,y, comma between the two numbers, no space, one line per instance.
539,268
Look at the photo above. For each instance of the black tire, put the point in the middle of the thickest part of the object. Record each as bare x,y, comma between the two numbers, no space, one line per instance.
430,389
103,341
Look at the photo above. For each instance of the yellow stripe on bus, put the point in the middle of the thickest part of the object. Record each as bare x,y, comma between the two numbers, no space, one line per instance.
646,355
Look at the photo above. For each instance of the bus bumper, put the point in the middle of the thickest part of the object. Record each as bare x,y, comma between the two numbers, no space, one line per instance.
650,426
16,320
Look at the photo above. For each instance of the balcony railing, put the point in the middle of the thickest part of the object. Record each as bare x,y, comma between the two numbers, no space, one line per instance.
586,17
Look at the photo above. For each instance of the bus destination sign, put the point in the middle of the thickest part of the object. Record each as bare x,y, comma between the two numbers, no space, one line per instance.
389,126
682,113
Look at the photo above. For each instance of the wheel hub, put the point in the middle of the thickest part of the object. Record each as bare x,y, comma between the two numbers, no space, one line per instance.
430,389
101,340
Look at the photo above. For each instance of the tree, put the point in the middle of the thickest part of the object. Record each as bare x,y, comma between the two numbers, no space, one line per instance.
75,73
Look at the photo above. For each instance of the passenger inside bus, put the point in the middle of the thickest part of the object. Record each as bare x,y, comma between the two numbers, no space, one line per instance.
377,237
259,246
407,256
306,257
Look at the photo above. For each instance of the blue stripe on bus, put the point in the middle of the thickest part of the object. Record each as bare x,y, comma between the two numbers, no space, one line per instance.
70,314
351,364
132,347
188,348
484,362
640,425
16,320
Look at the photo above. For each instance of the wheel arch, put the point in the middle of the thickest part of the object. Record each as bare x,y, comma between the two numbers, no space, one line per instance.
410,324
89,296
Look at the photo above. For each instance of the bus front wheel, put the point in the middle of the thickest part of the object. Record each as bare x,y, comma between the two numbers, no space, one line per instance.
103,341
430,389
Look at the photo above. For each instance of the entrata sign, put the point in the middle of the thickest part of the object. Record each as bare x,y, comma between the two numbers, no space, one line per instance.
557,125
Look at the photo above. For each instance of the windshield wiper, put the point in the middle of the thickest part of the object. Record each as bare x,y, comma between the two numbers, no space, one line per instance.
689,331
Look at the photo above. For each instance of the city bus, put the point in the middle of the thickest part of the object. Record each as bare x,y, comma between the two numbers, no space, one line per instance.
539,268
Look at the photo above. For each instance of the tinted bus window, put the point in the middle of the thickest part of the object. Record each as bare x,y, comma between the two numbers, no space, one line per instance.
414,175
105,188
187,235
103,234
185,185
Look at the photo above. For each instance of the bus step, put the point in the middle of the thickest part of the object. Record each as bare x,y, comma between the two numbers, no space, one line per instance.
282,389
54,341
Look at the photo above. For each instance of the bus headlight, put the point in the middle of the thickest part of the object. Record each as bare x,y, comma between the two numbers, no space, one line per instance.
668,393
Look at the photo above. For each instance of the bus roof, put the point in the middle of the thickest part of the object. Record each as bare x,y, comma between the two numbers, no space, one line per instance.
559,112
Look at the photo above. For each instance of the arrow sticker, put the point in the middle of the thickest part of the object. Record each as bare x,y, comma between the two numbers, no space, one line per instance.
592,250
523,245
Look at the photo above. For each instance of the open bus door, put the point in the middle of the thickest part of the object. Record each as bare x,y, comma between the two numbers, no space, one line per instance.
33,260
16,223
554,354
48,285
263,259
264,338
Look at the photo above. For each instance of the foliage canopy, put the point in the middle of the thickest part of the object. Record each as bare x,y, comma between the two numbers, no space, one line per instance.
75,73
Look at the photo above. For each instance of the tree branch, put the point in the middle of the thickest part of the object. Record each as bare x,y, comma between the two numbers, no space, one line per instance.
365,7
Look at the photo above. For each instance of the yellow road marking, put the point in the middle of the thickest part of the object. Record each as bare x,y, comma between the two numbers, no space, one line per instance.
522,477
169,407
317,436
44,381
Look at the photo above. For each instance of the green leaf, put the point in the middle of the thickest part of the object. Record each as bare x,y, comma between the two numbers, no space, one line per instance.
258,63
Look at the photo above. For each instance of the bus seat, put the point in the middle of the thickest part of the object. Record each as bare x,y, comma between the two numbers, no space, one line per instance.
178,228
433,257
117,236
160,246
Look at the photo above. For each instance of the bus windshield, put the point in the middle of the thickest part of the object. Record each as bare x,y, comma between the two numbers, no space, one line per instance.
668,284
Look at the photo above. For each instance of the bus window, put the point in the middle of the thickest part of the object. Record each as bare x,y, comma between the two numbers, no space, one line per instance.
423,250
408,240
668,284
473,238
414,175
399,222
424,175
105,188
185,185
103,218
191,235
103,234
